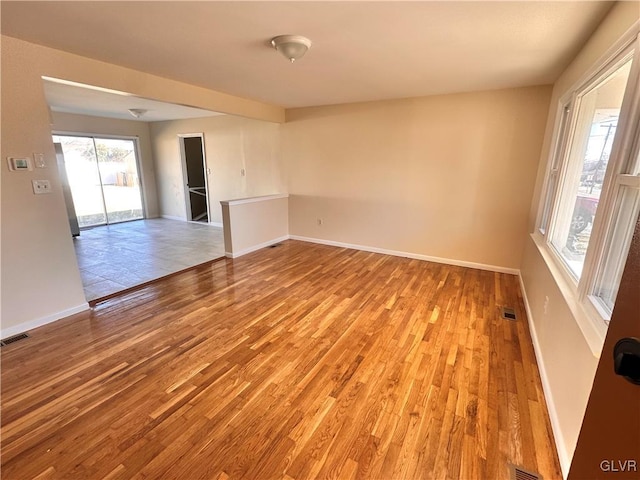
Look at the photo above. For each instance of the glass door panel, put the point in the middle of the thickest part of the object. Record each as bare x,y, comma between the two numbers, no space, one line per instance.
84,179
120,179
103,178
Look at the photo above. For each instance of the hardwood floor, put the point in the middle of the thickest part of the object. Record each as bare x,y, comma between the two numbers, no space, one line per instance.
301,361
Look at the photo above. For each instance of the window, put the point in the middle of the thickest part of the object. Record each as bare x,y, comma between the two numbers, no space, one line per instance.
587,157
103,178
555,169
592,194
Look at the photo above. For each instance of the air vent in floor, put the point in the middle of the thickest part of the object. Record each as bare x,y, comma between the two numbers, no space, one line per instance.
508,313
519,473
275,245
15,338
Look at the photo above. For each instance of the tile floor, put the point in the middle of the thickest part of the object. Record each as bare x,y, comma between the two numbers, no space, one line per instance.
115,257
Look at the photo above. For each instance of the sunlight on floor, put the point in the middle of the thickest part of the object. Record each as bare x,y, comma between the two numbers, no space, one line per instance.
116,257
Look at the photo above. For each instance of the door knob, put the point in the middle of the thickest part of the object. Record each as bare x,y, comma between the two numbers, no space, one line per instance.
626,359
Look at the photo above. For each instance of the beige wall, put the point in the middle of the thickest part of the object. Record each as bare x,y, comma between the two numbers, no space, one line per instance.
448,176
445,176
69,123
40,278
232,144
564,356
254,223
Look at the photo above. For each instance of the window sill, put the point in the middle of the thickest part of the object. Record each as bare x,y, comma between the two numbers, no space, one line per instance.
593,333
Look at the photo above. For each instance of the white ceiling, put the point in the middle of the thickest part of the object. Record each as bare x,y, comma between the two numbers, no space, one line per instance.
361,51
86,100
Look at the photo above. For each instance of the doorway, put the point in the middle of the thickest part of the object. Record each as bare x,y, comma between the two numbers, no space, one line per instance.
195,177
104,179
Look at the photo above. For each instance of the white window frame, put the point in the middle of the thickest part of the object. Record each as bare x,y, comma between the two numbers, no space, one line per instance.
590,316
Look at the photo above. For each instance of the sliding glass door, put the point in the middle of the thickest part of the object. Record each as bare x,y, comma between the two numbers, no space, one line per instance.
103,178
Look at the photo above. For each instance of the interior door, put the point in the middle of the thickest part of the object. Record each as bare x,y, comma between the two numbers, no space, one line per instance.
196,178
609,441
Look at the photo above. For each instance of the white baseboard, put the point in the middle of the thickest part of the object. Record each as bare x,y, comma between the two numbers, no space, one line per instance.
563,455
216,224
26,326
417,256
256,247
172,217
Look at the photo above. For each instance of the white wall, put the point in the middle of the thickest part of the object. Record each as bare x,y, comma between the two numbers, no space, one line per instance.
70,123
232,144
565,359
447,176
40,281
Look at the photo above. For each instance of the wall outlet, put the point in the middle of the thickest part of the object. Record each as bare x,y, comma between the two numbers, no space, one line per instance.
41,186
319,221
243,172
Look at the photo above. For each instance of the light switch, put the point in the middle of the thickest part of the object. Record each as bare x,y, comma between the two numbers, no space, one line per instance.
41,186
38,159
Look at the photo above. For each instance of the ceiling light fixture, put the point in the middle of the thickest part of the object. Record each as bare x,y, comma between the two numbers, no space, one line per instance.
137,112
292,47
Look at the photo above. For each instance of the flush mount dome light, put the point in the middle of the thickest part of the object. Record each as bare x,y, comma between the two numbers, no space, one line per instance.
292,47
137,112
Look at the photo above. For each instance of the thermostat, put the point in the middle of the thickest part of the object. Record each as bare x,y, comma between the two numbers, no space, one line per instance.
18,164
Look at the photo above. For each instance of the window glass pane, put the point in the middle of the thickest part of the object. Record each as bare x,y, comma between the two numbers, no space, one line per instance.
120,182
103,178
617,248
588,156
84,179
553,174
546,213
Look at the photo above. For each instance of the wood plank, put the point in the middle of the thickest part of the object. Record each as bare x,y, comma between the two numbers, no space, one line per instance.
297,362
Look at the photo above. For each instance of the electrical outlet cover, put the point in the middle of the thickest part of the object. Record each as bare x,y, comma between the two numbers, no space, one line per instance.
41,186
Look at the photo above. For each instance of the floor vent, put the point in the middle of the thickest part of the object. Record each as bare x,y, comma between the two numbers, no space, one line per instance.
508,313
519,473
15,338
275,245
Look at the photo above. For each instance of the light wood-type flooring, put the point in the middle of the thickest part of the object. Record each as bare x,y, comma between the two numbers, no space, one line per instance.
296,362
